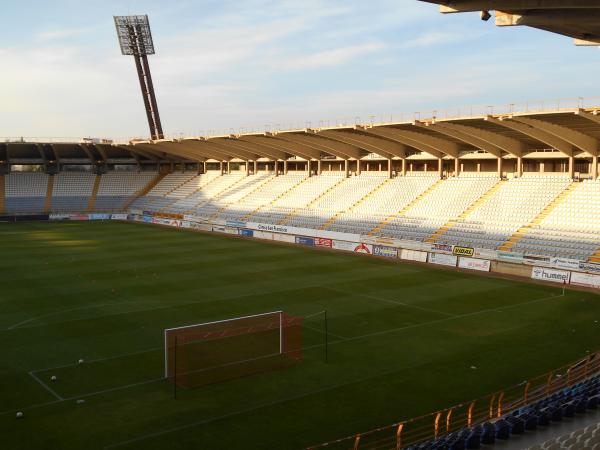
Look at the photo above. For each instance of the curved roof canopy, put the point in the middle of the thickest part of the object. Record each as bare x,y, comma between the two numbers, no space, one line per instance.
579,19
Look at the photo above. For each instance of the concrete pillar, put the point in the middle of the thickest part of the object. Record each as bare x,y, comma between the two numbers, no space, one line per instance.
440,167
456,167
478,167
285,166
499,167
276,167
594,167
204,167
519,166
358,166
410,168
426,166
571,166
403,167
228,167
255,167
221,165
319,167
389,167
346,167
247,168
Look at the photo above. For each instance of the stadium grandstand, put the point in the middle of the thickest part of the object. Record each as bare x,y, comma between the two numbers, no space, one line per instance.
424,281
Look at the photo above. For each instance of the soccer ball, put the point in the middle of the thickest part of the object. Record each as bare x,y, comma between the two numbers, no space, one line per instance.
19,415
80,361
53,377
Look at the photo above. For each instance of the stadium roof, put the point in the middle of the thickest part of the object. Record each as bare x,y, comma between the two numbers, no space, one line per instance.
540,131
579,19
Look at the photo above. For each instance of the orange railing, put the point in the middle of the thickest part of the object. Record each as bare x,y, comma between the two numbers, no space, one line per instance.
489,408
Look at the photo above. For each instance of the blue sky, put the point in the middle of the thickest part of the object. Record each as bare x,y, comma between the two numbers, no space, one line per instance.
239,65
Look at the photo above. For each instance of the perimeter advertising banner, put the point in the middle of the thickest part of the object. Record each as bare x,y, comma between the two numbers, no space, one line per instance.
585,279
322,242
247,233
356,247
281,237
510,257
118,216
388,252
413,255
589,267
565,263
462,251
554,275
302,240
442,259
59,217
474,264
265,235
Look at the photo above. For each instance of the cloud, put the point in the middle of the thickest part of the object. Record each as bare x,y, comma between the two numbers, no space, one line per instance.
333,57
54,35
431,38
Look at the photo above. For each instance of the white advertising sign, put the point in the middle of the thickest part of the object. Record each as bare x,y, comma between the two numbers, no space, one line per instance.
474,264
413,255
442,259
585,279
546,274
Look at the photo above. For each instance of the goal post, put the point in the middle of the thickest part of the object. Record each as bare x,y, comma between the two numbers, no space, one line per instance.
212,352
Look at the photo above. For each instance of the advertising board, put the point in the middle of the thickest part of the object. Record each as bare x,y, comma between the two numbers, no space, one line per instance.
465,262
554,275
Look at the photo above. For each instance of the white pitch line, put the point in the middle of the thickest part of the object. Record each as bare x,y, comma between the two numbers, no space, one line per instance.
387,300
350,339
45,386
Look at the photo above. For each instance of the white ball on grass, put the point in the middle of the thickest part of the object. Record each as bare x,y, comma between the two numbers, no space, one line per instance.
19,415
80,361
53,378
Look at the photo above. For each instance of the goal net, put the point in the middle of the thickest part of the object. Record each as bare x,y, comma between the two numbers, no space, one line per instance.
212,352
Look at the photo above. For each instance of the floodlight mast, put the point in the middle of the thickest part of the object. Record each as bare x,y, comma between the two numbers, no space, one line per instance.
135,39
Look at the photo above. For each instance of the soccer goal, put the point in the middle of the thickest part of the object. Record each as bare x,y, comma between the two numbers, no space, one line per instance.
212,352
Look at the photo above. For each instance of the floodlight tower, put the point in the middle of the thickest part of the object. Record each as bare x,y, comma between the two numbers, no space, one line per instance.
135,39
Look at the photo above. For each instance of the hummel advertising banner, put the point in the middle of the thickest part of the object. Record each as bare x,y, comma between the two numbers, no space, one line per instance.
546,274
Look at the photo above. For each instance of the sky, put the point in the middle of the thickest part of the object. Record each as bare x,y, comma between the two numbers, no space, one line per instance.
236,66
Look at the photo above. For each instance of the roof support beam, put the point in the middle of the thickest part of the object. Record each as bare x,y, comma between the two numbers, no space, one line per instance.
543,136
582,141
503,143
457,134
300,150
250,148
435,146
323,144
370,144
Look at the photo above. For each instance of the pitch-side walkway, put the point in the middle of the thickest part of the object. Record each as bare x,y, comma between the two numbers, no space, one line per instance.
543,434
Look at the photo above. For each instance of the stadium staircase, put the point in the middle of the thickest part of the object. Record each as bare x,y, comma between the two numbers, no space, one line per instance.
2,195
280,196
522,232
144,191
595,258
406,209
296,211
48,202
472,207
332,220
92,199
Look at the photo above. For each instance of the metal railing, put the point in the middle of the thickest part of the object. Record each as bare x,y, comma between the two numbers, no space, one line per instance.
488,408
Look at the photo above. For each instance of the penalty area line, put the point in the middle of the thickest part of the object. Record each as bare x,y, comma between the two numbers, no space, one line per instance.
45,386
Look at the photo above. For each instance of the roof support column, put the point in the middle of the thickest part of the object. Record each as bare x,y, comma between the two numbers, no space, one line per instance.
440,167
456,167
403,167
204,167
346,168
499,167
276,167
228,167
247,167
358,167
519,166
594,167
285,167
319,167
571,166
221,165
389,167
255,167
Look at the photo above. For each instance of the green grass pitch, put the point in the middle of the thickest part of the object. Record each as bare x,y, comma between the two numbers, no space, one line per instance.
402,343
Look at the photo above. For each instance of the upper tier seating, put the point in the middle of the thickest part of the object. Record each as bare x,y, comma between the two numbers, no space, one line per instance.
447,201
570,230
25,192
71,191
515,204
116,188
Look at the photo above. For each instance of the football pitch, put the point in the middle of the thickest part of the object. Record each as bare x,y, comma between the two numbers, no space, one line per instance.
404,339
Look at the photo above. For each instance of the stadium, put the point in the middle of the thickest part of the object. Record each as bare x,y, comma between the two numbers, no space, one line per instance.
414,281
